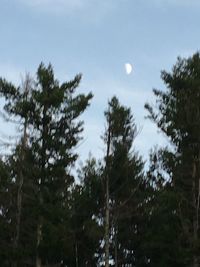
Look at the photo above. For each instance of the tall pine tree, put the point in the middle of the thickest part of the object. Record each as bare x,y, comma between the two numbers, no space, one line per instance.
177,116
51,117
123,183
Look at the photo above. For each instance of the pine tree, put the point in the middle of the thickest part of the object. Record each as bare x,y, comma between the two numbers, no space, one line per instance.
177,116
6,214
123,182
40,165
86,215
56,132
162,241
15,110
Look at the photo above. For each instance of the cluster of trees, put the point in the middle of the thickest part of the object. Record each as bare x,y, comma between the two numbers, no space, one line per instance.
118,214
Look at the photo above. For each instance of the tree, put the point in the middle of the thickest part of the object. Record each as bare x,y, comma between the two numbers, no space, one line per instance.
177,116
86,227
161,238
6,213
55,133
123,182
51,116
15,110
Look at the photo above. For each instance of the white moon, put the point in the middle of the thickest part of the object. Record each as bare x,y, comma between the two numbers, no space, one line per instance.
128,68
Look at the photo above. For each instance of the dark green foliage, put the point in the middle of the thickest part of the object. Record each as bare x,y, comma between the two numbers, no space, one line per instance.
86,215
48,219
50,112
56,132
161,234
126,183
6,213
177,115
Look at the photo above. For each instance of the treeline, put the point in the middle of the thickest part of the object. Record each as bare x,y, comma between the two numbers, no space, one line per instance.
118,214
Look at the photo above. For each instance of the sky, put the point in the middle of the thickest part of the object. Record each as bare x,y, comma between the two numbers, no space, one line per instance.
96,38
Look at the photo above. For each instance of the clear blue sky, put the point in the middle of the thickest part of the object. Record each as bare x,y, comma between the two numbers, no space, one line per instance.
96,38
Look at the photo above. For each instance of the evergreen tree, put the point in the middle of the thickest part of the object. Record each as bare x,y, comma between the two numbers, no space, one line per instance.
55,133
124,171
177,116
15,109
6,214
161,238
51,116
86,215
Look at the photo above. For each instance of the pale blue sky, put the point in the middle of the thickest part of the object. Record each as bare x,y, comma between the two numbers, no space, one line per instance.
96,38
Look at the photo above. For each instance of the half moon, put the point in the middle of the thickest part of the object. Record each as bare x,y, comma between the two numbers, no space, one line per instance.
128,68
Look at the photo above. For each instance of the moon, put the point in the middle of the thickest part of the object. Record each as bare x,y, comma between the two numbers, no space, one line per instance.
128,68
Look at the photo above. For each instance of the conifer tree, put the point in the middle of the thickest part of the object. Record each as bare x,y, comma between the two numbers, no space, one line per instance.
161,238
55,133
177,116
123,181
6,214
51,115
15,110
86,215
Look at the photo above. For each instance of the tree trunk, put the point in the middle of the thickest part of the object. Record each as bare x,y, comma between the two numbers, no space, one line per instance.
196,199
42,179
76,250
39,237
21,176
107,225
18,217
116,248
107,206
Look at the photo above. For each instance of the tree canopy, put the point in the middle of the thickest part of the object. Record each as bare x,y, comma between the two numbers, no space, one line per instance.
111,211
